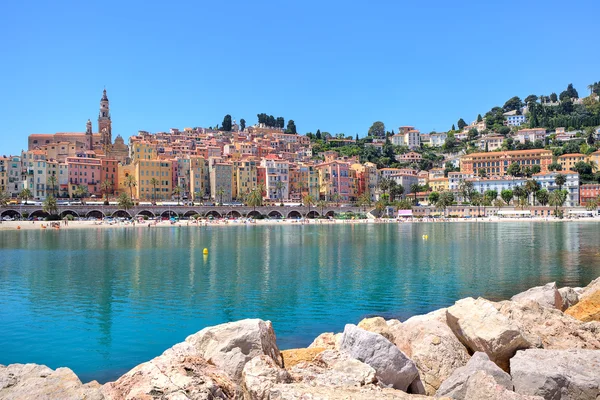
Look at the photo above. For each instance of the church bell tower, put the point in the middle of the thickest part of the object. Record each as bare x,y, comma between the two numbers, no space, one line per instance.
104,122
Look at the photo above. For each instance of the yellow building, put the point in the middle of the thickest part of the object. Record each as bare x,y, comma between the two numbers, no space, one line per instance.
123,172
199,185
245,178
568,161
439,184
142,150
154,180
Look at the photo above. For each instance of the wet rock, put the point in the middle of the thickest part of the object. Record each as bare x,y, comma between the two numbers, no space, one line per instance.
481,327
549,328
482,386
557,374
230,346
173,375
588,309
377,325
546,296
392,366
294,356
570,297
259,375
33,381
455,386
327,340
434,349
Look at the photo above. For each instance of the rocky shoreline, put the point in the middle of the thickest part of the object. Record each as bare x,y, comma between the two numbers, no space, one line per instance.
542,344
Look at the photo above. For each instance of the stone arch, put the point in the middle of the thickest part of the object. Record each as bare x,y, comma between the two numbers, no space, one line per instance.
330,213
11,213
275,214
313,214
145,213
213,213
69,212
253,214
95,214
233,214
294,214
190,213
121,214
169,214
39,214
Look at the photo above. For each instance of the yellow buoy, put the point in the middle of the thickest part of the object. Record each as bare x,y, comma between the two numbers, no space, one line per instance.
205,251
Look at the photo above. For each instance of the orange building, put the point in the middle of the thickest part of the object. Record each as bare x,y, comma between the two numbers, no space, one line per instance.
497,163
588,192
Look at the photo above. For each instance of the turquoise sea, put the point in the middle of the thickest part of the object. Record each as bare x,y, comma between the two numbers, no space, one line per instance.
101,301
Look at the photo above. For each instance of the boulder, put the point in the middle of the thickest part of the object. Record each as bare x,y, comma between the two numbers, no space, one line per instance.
436,315
294,356
392,366
327,340
434,349
230,346
259,375
588,309
173,375
557,374
549,328
546,296
303,391
593,287
482,386
33,381
570,297
455,386
377,325
332,368
481,327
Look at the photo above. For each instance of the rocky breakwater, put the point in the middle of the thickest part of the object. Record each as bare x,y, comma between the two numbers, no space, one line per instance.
542,344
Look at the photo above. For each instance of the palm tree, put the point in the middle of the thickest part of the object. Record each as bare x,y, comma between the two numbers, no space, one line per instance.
532,186
221,193
154,182
308,200
254,198
560,180
49,206
415,187
279,185
364,200
177,192
25,194
385,184
336,199
125,201
80,191
4,196
52,183
105,188
396,190
321,204
591,205
557,198
130,182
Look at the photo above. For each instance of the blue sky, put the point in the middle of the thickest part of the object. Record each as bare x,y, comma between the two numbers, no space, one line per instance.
333,65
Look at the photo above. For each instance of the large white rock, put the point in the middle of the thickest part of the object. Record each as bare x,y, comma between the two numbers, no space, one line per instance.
434,349
557,374
259,375
455,386
482,386
392,366
33,381
481,327
332,368
173,375
303,391
546,296
327,340
230,346
549,328
593,287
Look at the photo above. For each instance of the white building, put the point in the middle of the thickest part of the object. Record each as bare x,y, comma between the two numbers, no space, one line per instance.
515,120
407,136
276,170
455,178
406,180
530,135
547,181
437,139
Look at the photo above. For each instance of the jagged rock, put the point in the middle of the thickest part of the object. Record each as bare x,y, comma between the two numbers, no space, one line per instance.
392,366
173,375
570,297
557,374
294,356
327,340
230,346
376,325
332,368
480,327
436,315
455,386
588,309
482,386
303,391
546,296
33,381
434,349
593,287
550,329
259,375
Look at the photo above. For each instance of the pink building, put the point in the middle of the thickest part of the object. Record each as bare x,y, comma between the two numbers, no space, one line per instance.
84,171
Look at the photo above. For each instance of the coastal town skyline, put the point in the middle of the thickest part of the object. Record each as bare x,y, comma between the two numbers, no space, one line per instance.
357,73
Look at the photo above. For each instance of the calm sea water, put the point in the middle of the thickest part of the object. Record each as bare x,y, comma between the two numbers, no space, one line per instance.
102,301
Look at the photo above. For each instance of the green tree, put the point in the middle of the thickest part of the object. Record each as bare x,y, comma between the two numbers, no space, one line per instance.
532,98
336,198
553,97
555,167
467,190
542,196
226,125
321,204
52,181
434,197
81,191
519,192
482,173
220,193
125,201
445,200
130,182
491,195
396,191
479,118
254,198
513,104
514,169
507,195
318,135
415,188
105,187
560,180
364,200
461,124
49,205
384,184
154,182
242,124
532,187
308,200
291,127
377,129
177,192
25,194
557,199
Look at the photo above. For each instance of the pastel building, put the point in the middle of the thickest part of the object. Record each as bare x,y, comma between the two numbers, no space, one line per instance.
497,163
